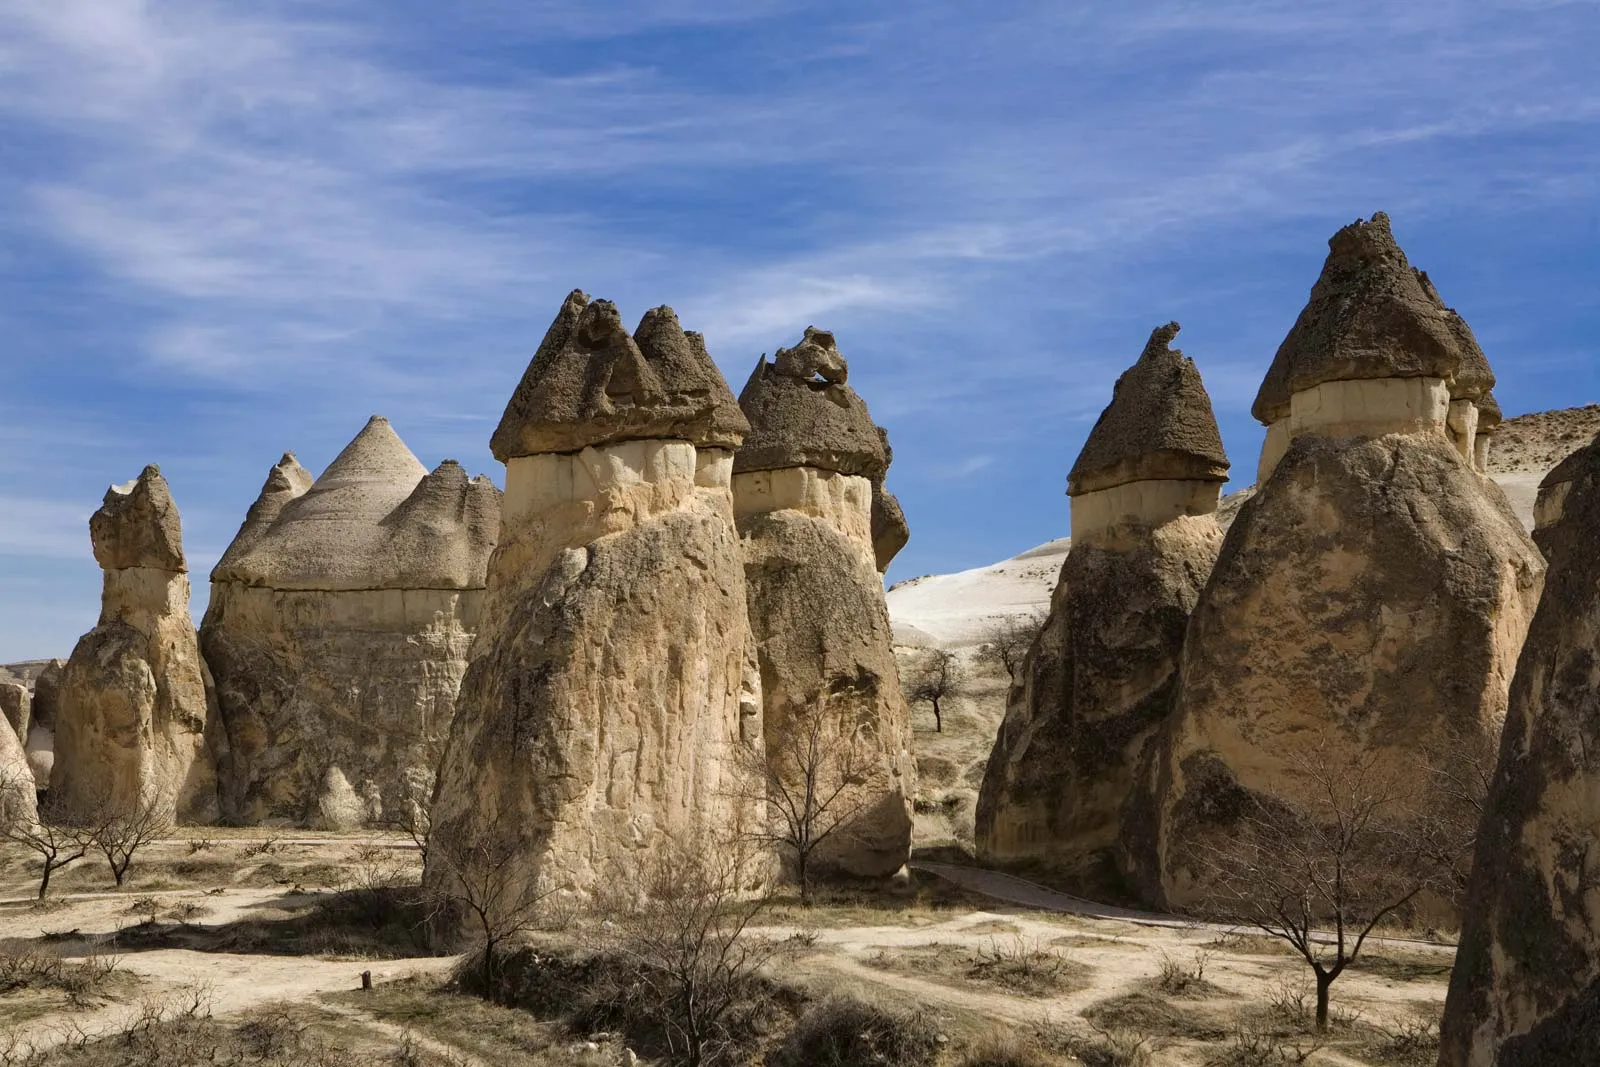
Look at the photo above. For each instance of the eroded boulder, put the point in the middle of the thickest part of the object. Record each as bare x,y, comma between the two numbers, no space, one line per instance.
1065,793
338,632
600,719
1372,595
816,525
1525,990
134,703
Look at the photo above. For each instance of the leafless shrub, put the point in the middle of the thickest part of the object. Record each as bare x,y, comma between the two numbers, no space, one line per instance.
844,1032
1321,873
934,680
807,777
59,836
1111,1048
1258,1048
1412,1042
482,881
265,847
693,970
1006,642
1181,979
1020,964
201,844
119,831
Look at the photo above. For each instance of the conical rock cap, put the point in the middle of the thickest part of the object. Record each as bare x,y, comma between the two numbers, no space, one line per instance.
1371,315
374,519
285,481
591,384
802,414
137,526
1159,424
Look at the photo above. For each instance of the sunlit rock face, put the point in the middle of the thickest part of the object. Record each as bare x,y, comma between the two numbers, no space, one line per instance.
809,501
1065,792
1375,591
338,631
1526,984
133,705
600,720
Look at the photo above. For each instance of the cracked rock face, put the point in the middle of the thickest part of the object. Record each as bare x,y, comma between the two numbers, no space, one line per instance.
1064,795
601,717
338,632
134,703
1526,985
1373,590
814,519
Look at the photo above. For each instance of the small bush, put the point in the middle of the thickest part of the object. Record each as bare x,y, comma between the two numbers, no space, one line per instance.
1111,1048
1020,965
264,847
27,967
1184,980
1257,1048
844,1032
1004,1050
201,844
1412,1043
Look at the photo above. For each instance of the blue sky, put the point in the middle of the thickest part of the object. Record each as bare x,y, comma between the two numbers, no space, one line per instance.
232,229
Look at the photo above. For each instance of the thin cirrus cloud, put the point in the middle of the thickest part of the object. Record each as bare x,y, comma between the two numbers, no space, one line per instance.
235,229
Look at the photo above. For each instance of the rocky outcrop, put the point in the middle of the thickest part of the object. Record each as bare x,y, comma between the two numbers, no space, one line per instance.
1374,592
807,488
1065,793
16,705
1526,984
17,794
601,715
40,742
134,703
1375,351
338,631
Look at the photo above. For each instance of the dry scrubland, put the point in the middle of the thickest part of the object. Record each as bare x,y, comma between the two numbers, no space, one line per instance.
248,947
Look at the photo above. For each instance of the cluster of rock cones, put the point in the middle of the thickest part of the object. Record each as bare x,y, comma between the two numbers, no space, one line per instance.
575,671
1369,602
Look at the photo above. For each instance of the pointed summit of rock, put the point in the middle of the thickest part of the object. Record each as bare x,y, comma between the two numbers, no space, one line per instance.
286,481
591,384
1159,425
137,526
802,414
1370,315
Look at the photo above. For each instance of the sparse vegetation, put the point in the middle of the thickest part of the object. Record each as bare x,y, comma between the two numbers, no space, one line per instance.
934,681
844,1032
1184,979
1007,640
118,833
1019,965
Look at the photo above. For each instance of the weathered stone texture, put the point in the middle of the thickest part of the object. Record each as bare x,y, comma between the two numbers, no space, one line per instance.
338,632
1375,589
134,702
17,796
601,717
1065,793
1526,984
16,705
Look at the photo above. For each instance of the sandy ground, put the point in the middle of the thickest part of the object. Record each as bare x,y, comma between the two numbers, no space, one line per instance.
908,958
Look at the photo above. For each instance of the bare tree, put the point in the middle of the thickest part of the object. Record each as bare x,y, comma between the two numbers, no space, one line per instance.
806,780
1007,641
935,680
693,964
59,837
118,832
1322,873
485,883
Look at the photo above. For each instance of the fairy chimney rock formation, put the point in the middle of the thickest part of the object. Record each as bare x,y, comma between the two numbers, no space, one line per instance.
134,701
1065,793
601,718
1375,351
1373,595
807,489
338,631
1525,990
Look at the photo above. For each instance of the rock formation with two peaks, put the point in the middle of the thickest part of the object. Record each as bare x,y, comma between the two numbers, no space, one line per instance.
817,526
606,705
1525,990
338,631
134,704
1374,593
1064,792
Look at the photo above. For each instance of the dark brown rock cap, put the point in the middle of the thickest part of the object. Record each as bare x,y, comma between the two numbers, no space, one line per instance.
802,414
1372,315
137,526
1159,424
590,384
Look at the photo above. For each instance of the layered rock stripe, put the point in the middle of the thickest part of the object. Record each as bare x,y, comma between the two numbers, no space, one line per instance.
134,704
1066,794
804,488
339,627
600,720
1373,593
